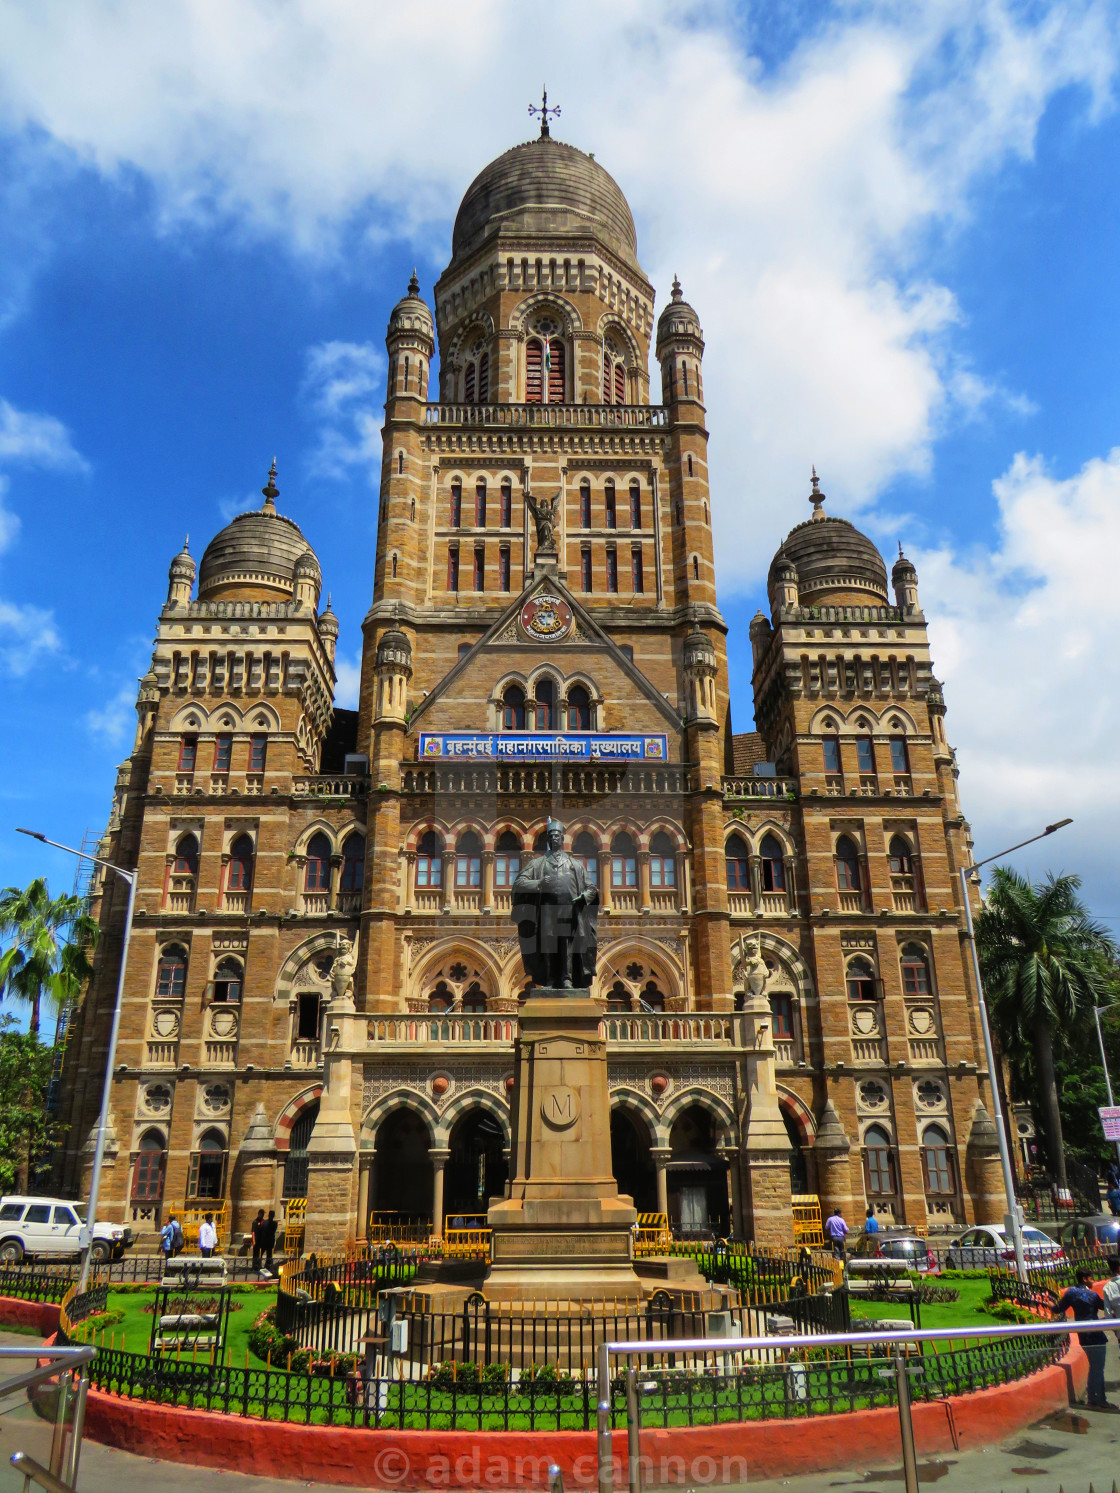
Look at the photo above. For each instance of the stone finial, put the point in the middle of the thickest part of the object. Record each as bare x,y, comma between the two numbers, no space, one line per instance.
816,497
678,293
830,1131
414,285
271,491
544,111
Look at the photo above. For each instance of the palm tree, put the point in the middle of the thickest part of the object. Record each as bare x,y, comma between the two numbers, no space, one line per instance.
1044,963
47,950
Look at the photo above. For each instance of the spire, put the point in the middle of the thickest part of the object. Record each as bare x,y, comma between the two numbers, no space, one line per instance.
816,497
414,285
678,293
544,111
187,545
271,492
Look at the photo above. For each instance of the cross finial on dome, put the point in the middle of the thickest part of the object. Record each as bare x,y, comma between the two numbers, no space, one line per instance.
413,284
271,492
816,497
544,111
678,293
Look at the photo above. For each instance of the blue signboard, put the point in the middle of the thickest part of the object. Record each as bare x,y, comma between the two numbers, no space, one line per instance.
553,746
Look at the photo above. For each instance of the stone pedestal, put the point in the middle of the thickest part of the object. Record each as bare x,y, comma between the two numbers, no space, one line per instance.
563,1232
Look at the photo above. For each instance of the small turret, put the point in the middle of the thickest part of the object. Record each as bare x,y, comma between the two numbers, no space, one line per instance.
328,630
680,348
411,342
307,580
784,590
181,577
147,706
904,578
700,668
760,634
394,670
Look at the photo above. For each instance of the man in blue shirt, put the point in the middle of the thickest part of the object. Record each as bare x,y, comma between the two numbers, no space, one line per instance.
1087,1307
872,1224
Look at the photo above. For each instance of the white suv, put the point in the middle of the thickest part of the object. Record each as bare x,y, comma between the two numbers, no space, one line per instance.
42,1228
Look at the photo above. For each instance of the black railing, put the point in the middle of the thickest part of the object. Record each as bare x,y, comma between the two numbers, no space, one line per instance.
37,1282
88,1303
1034,1294
818,1382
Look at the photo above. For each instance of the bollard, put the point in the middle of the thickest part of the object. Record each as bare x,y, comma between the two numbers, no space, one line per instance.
906,1421
603,1420
633,1431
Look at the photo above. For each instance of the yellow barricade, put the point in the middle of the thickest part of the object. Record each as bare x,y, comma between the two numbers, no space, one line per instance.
394,1228
653,1235
191,1219
467,1244
807,1226
295,1221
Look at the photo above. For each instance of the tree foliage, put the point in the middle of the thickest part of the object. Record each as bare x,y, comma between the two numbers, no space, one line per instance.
26,1130
48,940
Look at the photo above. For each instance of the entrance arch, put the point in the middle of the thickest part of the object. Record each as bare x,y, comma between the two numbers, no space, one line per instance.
403,1170
631,1162
476,1169
698,1204
798,1166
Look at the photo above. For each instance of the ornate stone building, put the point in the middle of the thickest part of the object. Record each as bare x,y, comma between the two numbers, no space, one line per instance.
323,983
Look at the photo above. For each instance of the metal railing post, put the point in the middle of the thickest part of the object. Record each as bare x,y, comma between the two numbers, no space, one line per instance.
906,1421
633,1432
603,1420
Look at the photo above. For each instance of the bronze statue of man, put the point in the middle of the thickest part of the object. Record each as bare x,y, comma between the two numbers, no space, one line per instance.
556,909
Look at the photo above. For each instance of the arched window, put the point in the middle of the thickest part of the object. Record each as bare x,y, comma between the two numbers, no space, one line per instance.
585,504
309,1016
353,863
624,862
456,504
690,464
902,860
394,567
608,369
171,974
544,712
507,503
772,864
619,382
878,1158
579,709
554,369
400,463
915,971
317,875
662,861
240,864
227,981
618,997
295,1162
469,395
534,365
468,860
635,505
611,506
513,708
738,865
507,858
484,378
186,857
474,997
147,1179
540,844
937,1161
861,980
847,865
585,850
781,1012
207,1175
429,860
653,998
441,998
188,752
696,567
480,504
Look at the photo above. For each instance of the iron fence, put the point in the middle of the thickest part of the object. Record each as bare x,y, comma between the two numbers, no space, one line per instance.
37,1282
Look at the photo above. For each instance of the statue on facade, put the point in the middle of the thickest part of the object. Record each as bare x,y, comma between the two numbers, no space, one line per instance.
556,910
342,973
546,515
754,968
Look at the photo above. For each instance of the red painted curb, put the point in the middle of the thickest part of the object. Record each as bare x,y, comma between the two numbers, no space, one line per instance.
698,1456
42,1315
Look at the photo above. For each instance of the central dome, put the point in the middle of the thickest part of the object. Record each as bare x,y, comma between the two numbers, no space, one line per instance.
545,187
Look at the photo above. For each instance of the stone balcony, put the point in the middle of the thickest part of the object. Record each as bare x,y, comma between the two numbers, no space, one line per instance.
689,1029
548,416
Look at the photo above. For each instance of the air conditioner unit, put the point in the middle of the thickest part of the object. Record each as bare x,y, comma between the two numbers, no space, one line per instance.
355,765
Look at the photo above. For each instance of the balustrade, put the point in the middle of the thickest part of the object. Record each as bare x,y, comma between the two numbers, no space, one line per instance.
180,893
624,899
235,902
315,903
349,903
774,902
851,902
739,904
498,1030
664,899
501,1030
759,787
219,1053
867,1050
571,416
336,785
162,1054
649,1028
924,1050
786,1051
305,1054
526,778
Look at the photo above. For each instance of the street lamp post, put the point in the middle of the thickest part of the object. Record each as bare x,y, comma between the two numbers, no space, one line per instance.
1013,1218
103,1119
1104,1065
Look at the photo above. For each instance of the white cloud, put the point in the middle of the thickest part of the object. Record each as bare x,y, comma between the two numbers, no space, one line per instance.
795,202
349,672
39,440
9,521
26,634
115,722
1025,637
344,386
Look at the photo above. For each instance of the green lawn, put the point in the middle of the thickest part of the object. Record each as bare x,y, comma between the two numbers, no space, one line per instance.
969,1311
136,1324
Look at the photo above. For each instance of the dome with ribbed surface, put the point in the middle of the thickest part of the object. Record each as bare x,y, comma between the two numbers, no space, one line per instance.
835,564
545,187
259,551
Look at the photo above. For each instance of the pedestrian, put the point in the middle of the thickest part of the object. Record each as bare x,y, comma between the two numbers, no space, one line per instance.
268,1238
1087,1306
258,1229
167,1238
1110,1291
207,1237
872,1224
179,1240
837,1231
1112,1196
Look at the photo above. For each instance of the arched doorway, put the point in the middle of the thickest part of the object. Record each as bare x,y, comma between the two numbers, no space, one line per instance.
698,1204
798,1165
295,1162
476,1170
631,1162
403,1169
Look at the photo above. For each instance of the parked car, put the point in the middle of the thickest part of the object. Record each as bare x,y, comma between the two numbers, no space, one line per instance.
989,1246
894,1244
1096,1231
51,1228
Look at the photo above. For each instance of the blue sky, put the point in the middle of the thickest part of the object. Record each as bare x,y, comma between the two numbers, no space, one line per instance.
895,221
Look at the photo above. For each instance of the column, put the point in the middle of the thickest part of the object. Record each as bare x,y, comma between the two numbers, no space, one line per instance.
661,1155
365,1177
643,880
730,1154
488,881
682,879
336,882
447,902
605,880
439,1157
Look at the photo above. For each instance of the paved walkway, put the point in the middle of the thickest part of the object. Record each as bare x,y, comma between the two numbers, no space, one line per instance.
1069,1451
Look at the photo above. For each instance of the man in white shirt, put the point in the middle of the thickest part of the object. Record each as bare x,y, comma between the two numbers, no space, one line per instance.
207,1236
1111,1290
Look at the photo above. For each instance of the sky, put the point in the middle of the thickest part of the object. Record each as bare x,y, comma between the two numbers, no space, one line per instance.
896,221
